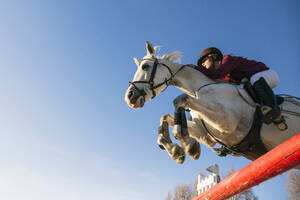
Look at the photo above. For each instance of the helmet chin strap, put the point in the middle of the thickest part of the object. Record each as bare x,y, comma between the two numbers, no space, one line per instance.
213,63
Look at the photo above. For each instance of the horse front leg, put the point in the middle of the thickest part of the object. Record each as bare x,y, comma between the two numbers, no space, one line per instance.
164,141
180,130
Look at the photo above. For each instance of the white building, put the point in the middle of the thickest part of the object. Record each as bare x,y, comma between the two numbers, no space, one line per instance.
206,182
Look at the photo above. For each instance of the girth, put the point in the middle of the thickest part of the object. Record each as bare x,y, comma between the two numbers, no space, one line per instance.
251,146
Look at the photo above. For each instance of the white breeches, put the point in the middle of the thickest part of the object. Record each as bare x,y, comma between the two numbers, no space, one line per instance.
270,76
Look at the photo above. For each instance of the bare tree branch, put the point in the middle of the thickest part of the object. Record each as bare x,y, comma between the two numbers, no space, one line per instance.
293,185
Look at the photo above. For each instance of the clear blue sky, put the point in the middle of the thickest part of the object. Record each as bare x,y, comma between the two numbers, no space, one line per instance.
66,132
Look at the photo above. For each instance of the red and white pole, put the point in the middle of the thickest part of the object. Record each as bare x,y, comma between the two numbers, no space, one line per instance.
275,162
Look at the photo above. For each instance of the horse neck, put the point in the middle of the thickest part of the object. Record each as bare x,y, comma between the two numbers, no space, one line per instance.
188,79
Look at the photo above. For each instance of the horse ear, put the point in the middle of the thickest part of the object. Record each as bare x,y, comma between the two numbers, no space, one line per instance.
150,49
136,61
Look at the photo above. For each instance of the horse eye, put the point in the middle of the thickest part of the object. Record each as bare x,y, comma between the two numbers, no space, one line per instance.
145,67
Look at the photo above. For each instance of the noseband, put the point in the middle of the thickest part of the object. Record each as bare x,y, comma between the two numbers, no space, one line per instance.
150,82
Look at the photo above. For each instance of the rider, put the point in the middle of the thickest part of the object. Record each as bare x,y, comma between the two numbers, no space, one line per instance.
234,69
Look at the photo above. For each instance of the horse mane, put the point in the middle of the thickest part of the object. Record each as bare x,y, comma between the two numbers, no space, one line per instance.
172,57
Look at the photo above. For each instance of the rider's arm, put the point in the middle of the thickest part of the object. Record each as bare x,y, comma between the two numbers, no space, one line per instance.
228,64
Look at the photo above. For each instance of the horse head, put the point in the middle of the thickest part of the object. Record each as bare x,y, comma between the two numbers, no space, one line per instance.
150,79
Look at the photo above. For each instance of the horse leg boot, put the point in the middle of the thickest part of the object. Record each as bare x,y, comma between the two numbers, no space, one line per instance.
164,141
180,132
269,107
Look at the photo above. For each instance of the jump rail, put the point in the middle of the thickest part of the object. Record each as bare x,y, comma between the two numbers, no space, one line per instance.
275,162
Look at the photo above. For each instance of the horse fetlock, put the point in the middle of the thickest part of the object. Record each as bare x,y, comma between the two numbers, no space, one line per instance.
192,147
174,150
162,140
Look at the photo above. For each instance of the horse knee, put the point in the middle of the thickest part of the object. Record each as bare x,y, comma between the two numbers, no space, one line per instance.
180,101
167,117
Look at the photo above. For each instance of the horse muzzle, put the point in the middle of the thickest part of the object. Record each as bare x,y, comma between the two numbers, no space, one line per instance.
135,98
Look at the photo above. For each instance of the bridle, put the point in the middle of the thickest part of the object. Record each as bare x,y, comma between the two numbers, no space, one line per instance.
150,82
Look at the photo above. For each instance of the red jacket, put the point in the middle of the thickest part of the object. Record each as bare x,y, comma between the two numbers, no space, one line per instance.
234,69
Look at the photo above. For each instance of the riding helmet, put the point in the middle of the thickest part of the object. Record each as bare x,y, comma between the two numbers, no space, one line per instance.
207,51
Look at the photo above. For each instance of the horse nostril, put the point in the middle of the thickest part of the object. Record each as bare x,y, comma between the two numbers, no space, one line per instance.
130,94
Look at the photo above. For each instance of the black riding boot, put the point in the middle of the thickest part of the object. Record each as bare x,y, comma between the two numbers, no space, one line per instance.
269,107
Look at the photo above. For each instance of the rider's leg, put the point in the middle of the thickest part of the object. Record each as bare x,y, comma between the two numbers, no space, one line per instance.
270,76
267,100
262,83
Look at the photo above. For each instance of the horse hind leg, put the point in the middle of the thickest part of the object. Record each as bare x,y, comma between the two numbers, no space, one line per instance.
164,141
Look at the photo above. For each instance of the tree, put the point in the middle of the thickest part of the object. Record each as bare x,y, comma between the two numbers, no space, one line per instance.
247,195
231,171
188,191
169,197
183,192
293,184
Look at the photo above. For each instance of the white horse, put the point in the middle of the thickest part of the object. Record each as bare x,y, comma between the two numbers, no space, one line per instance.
222,112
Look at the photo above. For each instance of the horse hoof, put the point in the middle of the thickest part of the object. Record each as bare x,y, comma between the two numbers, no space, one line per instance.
180,160
193,149
178,154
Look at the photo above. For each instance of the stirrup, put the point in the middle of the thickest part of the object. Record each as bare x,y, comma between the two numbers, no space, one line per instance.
280,123
269,114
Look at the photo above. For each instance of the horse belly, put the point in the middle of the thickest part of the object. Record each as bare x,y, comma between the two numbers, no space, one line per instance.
271,136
